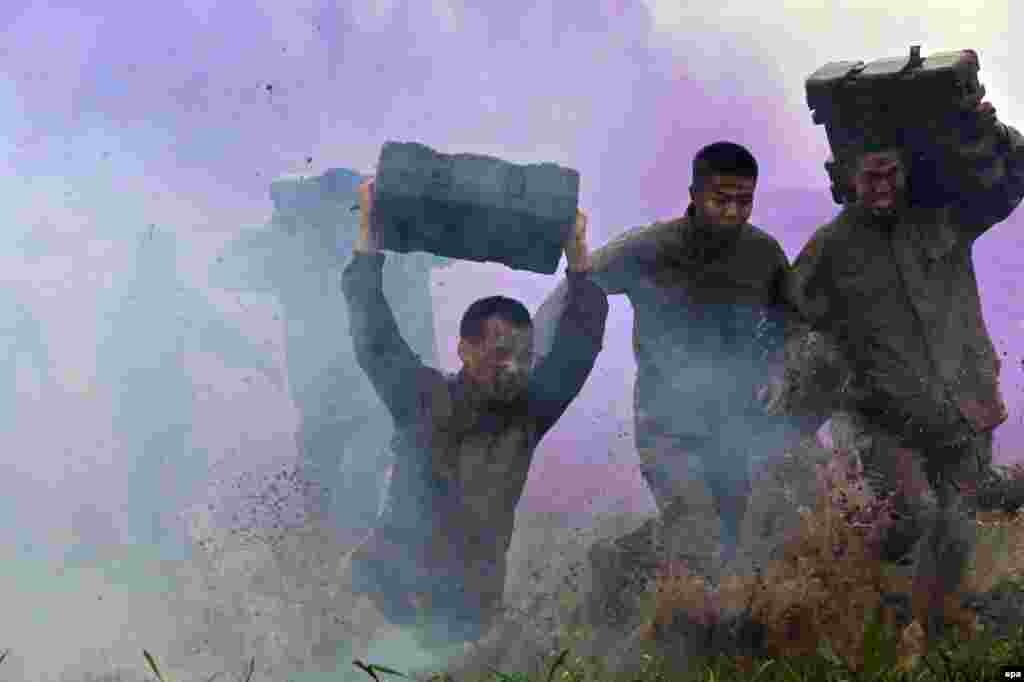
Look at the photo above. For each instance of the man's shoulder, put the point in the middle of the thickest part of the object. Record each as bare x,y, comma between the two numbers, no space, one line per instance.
669,228
435,396
760,239
632,246
642,234
824,251
651,239
840,226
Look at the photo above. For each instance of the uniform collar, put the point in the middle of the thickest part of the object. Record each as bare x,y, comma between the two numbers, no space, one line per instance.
864,216
472,409
695,247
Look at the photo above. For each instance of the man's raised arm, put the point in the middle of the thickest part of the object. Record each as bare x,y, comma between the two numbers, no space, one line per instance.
380,350
578,334
613,268
984,159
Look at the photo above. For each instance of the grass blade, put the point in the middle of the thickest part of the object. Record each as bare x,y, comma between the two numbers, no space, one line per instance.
252,669
372,669
558,663
760,671
389,671
366,668
152,664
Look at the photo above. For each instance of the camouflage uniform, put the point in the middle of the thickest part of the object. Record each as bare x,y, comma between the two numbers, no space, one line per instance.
919,388
459,467
700,339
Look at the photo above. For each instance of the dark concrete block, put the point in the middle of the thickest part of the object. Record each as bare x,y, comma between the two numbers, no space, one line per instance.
894,91
474,207
890,99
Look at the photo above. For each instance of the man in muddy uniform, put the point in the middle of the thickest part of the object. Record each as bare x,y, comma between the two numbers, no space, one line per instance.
463,444
888,289
705,290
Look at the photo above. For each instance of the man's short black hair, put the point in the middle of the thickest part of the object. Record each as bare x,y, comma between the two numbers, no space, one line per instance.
508,309
723,158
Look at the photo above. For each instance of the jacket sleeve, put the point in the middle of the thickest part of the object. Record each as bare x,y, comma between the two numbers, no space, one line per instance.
579,328
380,350
815,372
778,311
614,267
988,176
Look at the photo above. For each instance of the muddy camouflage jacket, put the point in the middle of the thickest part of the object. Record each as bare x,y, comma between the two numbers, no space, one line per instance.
704,321
899,305
460,470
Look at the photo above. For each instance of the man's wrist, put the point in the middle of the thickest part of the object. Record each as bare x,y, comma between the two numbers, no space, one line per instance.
366,244
578,263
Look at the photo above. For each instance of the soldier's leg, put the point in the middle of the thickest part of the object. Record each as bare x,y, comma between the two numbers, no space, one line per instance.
930,511
948,545
460,606
726,462
669,465
382,570
897,473
364,619
691,528
687,531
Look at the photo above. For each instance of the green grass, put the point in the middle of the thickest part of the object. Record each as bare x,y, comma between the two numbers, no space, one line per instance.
885,658
979,660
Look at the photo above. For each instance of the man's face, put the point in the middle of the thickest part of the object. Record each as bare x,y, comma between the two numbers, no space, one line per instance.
500,361
880,182
725,201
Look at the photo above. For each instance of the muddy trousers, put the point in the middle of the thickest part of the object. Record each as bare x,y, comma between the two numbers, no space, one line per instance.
699,479
933,524
442,607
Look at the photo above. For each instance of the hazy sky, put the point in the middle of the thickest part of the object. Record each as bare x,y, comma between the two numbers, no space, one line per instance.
115,116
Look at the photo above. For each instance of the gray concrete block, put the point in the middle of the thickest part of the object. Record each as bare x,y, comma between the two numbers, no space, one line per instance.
474,207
